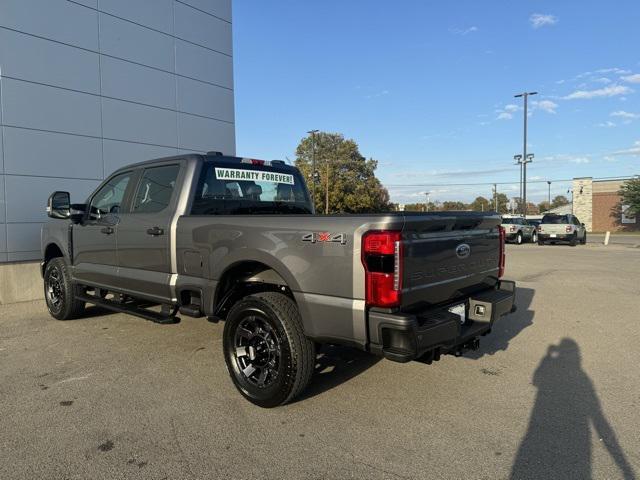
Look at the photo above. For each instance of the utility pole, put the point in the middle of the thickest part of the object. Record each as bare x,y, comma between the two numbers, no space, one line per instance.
495,196
525,95
313,166
549,195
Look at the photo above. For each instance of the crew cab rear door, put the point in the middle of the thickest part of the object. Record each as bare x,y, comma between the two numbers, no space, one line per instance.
144,233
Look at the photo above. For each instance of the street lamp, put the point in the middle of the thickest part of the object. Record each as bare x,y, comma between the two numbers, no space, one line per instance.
313,166
525,95
426,205
549,194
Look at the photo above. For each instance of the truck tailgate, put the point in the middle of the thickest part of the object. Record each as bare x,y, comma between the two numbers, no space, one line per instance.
448,255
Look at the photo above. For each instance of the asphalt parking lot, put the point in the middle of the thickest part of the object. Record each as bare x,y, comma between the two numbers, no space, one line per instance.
554,392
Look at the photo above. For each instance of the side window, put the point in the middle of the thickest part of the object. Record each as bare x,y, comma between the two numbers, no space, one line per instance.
109,198
576,221
155,189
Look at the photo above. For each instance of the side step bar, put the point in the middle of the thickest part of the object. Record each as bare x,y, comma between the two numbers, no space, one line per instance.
131,308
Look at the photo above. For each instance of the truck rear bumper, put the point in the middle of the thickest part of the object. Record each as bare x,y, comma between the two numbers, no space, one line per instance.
406,337
557,237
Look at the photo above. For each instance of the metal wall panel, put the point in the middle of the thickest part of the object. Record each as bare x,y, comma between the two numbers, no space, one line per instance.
128,81
31,105
203,134
84,92
202,29
57,20
204,99
219,8
129,41
157,14
23,241
33,152
117,154
203,64
27,196
38,60
138,123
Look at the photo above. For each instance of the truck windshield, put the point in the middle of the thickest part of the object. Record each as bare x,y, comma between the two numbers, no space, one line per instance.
243,189
557,219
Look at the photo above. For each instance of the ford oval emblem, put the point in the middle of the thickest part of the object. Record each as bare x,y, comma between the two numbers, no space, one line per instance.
463,250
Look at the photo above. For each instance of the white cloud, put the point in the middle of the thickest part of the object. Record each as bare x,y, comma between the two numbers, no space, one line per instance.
610,91
504,116
633,151
540,20
619,71
511,108
545,105
607,124
626,115
635,78
579,160
604,80
463,31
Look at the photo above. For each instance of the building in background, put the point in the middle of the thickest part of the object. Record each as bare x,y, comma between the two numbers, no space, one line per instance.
598,205
89,85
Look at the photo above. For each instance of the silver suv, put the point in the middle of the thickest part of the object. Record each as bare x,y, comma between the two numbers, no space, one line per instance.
519,230
561,228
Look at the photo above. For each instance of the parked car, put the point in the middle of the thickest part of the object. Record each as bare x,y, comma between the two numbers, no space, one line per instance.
236,239
519,230
561,228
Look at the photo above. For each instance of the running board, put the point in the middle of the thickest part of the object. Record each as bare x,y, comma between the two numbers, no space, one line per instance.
132,309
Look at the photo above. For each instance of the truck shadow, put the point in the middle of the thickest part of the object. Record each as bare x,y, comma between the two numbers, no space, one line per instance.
508,327
335,365
558,442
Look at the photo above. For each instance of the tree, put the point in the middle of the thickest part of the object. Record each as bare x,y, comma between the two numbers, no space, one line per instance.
481,204
454,205
532,209
544,206
559,201
503,203
348,176
630,193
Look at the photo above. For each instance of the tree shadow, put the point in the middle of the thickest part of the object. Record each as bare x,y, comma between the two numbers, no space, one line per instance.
335,365
508,327
558,441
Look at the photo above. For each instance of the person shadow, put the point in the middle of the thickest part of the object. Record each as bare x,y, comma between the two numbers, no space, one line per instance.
508,327
558,443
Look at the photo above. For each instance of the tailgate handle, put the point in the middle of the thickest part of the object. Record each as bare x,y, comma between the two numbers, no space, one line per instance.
155,231
107,230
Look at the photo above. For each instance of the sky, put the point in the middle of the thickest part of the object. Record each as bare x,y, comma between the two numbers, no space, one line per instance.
427,88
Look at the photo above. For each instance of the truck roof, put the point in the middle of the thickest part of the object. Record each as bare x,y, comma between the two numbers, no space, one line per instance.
217,156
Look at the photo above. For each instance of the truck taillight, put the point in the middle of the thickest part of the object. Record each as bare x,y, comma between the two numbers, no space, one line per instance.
502,256
382,260
568,229
512,228
540,228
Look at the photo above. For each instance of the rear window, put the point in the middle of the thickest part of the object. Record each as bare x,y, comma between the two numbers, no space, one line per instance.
557,219
510,221
239,188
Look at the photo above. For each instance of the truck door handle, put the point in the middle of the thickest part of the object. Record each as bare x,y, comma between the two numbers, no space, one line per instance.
155,231
107,230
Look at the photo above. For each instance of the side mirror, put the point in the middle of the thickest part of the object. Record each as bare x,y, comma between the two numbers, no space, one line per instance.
582,224
59,205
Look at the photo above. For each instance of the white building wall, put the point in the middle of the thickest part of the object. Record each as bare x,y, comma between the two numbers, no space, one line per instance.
87,86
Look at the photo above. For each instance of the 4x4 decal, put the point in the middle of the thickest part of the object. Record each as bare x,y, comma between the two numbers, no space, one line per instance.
323,237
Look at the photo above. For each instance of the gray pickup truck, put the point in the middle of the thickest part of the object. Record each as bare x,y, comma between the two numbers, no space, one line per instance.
236,239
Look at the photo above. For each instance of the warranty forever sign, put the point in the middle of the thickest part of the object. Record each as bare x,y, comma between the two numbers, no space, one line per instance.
253,175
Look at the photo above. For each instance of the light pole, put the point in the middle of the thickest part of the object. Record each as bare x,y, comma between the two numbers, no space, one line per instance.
529,159
518,159
495,196
426,205
525,95
313,166
549,194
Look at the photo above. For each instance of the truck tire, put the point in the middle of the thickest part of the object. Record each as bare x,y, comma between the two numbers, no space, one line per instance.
574,240
268,357
534,237
60,290
584,239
